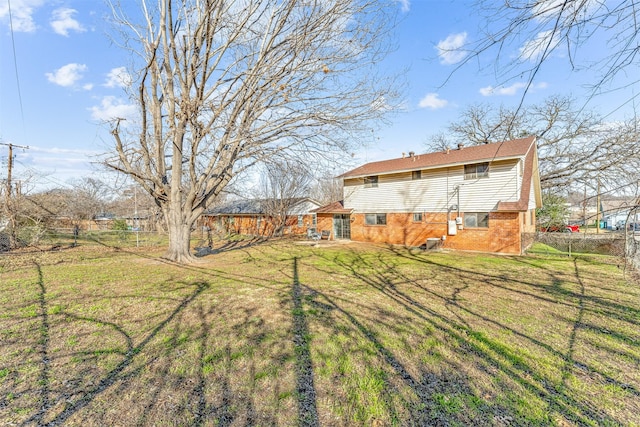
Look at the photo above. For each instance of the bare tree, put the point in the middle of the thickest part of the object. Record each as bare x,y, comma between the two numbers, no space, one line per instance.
521,35
87,198
327,189
283,185
226,84
574,145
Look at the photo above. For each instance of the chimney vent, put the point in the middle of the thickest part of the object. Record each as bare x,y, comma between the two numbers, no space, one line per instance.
411,154
460,146
403,154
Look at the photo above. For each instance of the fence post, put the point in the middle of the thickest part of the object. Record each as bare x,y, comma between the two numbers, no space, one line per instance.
570,240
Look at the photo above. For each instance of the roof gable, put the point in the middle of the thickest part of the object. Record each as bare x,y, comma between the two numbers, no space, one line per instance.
467,155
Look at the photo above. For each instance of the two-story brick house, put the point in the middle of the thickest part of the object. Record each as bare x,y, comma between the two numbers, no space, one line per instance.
480,198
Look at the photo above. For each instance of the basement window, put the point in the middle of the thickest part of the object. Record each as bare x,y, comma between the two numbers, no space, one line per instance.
417,217
479,170
375,219
476,219
370,181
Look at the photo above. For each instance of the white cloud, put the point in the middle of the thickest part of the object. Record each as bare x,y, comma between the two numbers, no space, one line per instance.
62,21
543,44
449,49
118,77
67,75
405,5
65,151
433,101
112,108
21,14
509,90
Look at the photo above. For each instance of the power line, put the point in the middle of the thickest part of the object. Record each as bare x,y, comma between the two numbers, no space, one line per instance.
15,64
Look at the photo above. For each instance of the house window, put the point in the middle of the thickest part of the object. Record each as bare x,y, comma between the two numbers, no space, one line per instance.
476,219
416,175
479,170
300,220
417,217
370,181
375,219
314,220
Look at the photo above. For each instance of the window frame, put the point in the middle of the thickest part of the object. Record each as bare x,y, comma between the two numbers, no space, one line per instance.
371,181
416,175
477,222
379,219
471,171
300,220
418,215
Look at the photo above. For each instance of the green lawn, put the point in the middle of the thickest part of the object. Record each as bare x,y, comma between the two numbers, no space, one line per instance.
275,333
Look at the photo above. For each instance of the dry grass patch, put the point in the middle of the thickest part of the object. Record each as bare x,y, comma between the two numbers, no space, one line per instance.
271,333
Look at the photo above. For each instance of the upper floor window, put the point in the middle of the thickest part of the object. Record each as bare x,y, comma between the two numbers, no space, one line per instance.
370,181
375,219
416,175
478,170
476,219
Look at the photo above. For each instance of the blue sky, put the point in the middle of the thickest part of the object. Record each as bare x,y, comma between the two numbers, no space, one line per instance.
70,77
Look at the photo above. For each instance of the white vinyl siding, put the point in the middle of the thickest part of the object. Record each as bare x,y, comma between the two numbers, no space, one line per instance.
435,191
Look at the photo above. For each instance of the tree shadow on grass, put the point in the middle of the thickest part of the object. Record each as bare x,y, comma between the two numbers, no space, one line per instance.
118,373
382,274
43,341
228,245
305,389
437,393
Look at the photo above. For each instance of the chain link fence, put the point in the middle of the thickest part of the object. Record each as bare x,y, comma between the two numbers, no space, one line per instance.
38,237
577,243
624,244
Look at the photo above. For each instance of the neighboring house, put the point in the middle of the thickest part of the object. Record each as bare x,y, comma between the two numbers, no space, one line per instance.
262,217
480,198
616,211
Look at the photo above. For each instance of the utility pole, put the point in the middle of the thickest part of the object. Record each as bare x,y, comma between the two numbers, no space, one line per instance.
11,215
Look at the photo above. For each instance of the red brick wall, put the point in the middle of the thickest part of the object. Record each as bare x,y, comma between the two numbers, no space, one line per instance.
248,224
503,234
400,229
325,222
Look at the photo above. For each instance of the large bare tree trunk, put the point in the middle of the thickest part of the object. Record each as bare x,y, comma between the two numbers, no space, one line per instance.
179,239
221,86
